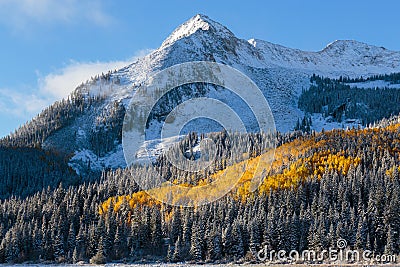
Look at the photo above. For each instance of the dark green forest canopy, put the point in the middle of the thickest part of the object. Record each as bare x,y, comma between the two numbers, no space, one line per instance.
361,206
340,99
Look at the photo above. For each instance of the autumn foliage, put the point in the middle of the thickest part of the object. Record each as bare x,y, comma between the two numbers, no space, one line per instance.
294,162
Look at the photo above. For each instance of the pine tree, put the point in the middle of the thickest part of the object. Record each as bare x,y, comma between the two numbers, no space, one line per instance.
71,242
390,243
59,252
176,225
237,249
177,251
196,250
227,240
75,256
216,246
119,246
170,253
255,236
156,232
100,257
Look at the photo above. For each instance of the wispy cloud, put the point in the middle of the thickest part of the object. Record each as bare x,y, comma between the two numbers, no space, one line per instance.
55,86
20,14
60,83
20,105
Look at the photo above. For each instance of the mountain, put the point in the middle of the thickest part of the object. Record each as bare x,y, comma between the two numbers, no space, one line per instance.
335,190
88,125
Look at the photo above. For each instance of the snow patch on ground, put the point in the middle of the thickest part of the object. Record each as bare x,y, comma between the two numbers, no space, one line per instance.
86,157
375,84
153,148
320,123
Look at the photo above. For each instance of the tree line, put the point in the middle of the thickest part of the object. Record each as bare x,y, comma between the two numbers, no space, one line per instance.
339,101
360,205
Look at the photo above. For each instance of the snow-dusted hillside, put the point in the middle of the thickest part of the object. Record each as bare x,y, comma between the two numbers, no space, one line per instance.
342,57
280,72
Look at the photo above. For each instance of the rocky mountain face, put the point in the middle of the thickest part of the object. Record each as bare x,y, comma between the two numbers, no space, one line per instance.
87,127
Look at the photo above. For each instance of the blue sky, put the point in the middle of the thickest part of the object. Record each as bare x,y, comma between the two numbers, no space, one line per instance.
50,46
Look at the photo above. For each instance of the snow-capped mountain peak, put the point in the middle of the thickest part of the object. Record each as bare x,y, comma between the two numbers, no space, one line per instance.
280,72
341,57
343,45
195,24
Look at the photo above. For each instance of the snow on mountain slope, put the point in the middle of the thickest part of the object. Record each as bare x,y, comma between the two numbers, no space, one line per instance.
345,57
280,72
201,38
376,84
84,159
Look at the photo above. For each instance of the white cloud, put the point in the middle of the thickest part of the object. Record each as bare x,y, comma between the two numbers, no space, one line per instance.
19,104
55,86
61,83
22,13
